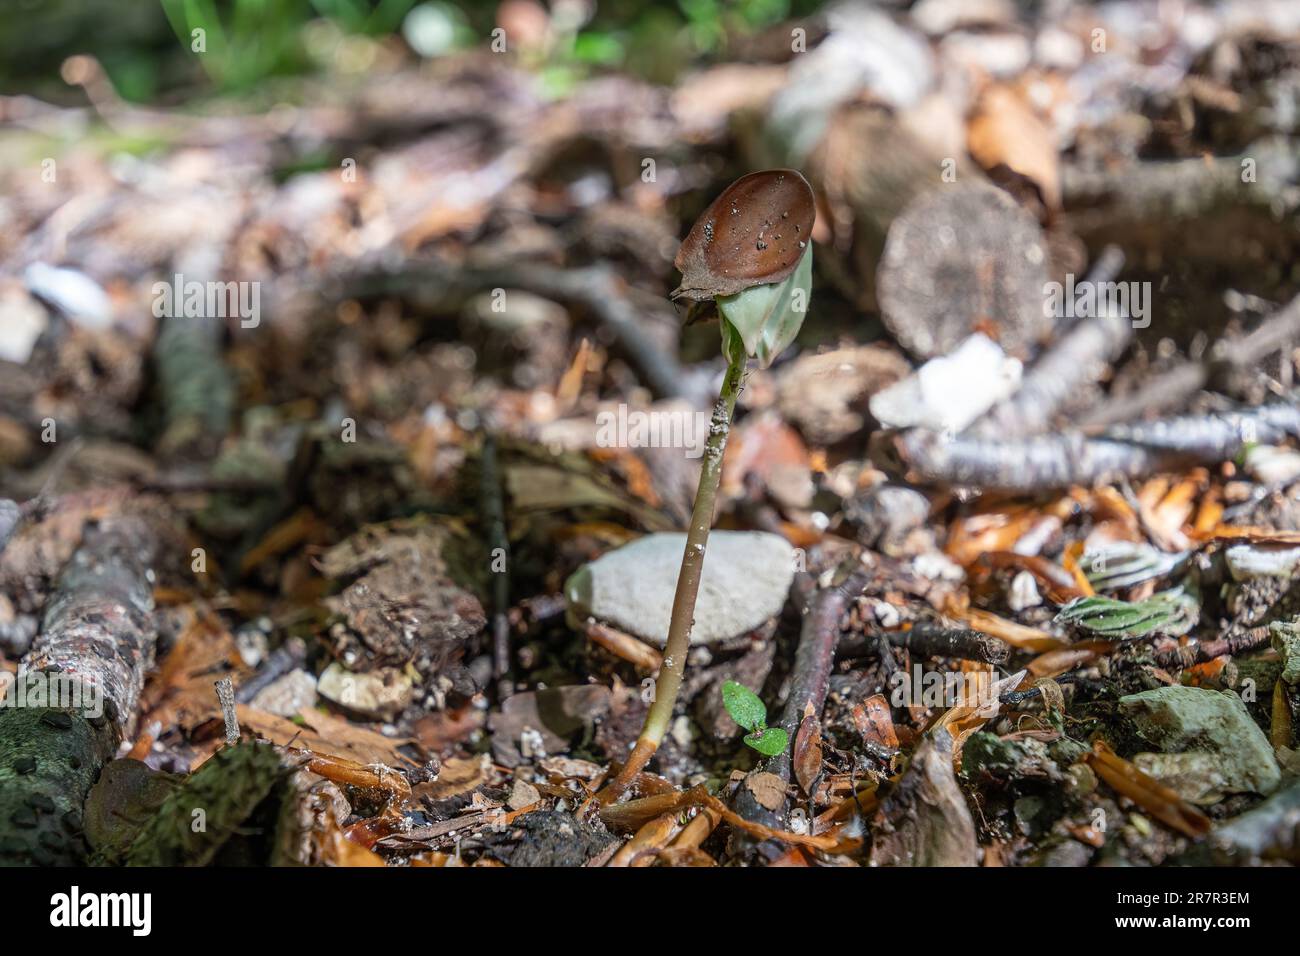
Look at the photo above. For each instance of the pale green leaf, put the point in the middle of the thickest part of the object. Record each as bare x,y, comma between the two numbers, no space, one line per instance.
768,317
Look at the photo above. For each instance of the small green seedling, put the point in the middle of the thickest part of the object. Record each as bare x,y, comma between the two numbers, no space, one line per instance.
748,711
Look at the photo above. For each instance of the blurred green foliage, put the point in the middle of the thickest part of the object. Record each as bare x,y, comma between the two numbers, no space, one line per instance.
161,49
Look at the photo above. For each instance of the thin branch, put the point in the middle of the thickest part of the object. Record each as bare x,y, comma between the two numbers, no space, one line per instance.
1180,383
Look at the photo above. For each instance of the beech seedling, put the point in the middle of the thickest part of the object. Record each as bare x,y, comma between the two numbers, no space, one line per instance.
750,253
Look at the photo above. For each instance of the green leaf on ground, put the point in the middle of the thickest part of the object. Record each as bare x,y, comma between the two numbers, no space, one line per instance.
769,742
744,706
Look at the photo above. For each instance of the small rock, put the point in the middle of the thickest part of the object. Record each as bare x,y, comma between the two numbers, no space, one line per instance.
522,794
746,579
1194,776
24,322
825,395
288,695
72,292
951,391
936,566
1182,719
380,694
886,513
1247,561
1272,465
1024,592
1286,641
681,732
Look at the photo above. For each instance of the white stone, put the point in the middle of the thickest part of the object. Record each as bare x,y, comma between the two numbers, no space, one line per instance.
74,293
286,696
380,694
746,579
949,392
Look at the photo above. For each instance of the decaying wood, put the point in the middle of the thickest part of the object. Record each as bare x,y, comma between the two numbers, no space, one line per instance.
933,640
1161,191
98,634
1202,651
198,395
1022,465
924,820
959,257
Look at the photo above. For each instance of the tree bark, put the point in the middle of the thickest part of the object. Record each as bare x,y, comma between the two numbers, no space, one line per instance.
76,693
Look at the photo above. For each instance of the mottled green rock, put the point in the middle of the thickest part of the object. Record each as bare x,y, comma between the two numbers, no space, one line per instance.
1193,719
1286,641
1195,776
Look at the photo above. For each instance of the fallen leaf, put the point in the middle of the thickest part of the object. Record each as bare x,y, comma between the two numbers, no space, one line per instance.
808,752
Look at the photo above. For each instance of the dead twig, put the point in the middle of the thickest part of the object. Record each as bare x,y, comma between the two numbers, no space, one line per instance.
1175,386
499,563
1203,651
934,640
1030,465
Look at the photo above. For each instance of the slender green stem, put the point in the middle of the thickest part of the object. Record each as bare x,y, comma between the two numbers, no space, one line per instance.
669,682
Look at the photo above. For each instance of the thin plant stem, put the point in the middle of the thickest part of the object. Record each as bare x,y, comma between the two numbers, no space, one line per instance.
669,682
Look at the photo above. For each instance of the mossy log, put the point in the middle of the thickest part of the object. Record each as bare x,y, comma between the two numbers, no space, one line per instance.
75,696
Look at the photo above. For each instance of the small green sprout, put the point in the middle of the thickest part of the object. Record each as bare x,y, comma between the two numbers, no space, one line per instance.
747,710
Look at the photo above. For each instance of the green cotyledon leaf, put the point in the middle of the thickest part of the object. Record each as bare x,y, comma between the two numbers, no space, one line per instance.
768,317
769,741
744,706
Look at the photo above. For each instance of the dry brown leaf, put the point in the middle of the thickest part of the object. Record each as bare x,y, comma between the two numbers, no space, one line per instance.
875,723
768,789
325,734
570,387
1148,793
808,752
1004,130
179,695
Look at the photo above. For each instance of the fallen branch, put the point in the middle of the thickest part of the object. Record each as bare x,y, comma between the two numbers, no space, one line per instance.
1074,362
1203,651
1030,465
929,639
1175,386
88,666
1160,191
595,288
